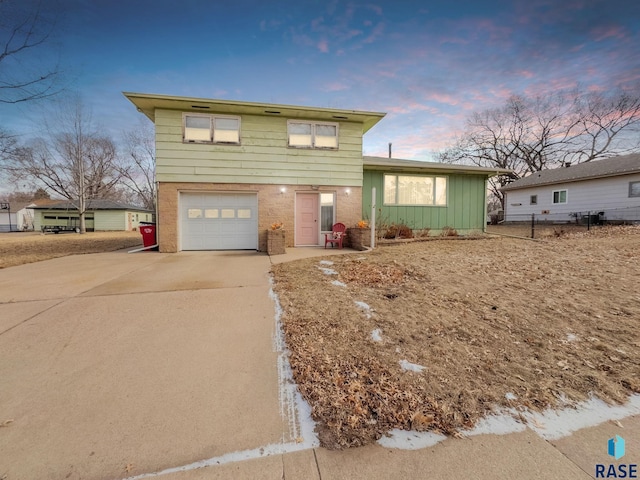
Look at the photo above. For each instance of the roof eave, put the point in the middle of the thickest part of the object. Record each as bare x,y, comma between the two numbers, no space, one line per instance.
148,103
507,188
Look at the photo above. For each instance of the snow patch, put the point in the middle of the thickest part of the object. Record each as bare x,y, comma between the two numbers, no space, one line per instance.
555,424
510,396
365,307
412,367
410,440
326,262
571,337
376,335
328,271
338,283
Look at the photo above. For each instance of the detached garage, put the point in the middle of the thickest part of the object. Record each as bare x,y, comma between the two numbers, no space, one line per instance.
218,221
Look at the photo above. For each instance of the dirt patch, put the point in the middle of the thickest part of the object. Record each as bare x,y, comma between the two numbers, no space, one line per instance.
495,323
20,248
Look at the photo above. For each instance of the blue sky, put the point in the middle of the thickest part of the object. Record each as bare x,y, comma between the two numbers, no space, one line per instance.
427,64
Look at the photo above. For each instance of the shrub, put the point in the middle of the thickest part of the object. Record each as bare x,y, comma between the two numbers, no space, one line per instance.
448,232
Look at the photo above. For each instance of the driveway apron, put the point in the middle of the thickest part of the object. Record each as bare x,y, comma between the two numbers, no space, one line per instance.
113,365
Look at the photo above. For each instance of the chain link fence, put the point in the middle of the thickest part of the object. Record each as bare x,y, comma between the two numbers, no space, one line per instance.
542,225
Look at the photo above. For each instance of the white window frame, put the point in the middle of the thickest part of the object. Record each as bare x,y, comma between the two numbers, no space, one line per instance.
553,197
212,120
313,126
434,197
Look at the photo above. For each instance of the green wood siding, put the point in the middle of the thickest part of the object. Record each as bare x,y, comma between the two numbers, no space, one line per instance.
262,156
110,220
465,210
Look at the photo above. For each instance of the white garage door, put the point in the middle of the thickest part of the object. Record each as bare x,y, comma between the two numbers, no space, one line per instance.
219,221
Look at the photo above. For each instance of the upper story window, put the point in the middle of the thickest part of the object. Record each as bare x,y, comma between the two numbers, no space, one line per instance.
415,190
199,128
560,196
312,134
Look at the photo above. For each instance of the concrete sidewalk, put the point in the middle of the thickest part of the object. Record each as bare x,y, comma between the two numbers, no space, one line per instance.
115,365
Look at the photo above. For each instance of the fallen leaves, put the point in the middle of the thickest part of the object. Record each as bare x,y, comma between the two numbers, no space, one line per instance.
496,323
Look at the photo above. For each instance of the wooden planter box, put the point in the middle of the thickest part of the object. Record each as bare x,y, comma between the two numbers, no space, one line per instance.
359,238
275,242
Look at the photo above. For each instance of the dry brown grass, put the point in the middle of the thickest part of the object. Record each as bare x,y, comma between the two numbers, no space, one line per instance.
20,248
545,321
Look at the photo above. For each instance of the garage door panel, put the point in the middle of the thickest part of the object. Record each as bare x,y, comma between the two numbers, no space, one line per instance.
219,221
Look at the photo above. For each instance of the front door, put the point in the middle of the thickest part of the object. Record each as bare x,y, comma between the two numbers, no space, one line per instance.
307,213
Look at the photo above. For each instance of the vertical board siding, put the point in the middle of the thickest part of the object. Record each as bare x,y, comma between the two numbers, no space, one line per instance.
465,210
261,157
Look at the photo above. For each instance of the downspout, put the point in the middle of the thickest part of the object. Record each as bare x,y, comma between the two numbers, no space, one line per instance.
486,186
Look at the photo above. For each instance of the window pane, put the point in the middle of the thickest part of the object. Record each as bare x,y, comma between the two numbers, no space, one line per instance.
563,196
300,129
226,130
441,190
228,213
390,182
198,122
300,134
211,213
634,189
415,190
227,123
244,213
194,213
197,128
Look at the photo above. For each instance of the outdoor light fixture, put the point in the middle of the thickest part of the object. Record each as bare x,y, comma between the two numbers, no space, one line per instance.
283,189
348,191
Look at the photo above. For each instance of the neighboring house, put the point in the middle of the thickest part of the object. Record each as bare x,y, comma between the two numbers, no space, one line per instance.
26,214
608,188
101,215
228,170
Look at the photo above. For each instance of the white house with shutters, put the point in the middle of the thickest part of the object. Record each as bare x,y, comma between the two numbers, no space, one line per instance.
608,188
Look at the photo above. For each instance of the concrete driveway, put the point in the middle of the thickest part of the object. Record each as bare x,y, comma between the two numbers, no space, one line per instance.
117,364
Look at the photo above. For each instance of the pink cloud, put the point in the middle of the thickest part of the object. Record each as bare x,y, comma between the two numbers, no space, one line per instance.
335,87
611,31
323,46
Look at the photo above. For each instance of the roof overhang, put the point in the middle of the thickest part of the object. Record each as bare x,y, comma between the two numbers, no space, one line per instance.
416,166
149,103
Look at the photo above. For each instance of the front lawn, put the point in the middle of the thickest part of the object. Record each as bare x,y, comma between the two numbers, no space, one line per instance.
436,335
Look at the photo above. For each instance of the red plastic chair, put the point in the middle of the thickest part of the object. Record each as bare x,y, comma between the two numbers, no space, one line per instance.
336,236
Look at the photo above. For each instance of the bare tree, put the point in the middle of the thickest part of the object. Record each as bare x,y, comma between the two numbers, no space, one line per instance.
139,162
531,134
72,159
27,71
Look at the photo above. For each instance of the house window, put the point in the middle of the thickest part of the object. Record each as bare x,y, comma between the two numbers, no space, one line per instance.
634,189
533,200
312,135
415,190
200,128
560,196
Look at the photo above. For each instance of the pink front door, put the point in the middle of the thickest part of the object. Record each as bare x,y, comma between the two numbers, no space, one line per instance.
307,222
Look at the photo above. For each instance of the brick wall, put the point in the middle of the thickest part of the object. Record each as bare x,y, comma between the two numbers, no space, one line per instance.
273,206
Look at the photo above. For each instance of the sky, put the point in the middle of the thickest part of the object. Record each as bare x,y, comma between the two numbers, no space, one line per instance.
427,64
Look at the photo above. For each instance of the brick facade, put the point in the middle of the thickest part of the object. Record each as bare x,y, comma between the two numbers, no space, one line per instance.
273,206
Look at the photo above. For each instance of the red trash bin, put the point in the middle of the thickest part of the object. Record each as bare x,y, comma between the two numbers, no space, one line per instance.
148,235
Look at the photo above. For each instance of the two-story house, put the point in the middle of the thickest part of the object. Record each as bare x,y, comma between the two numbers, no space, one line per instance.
227,170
